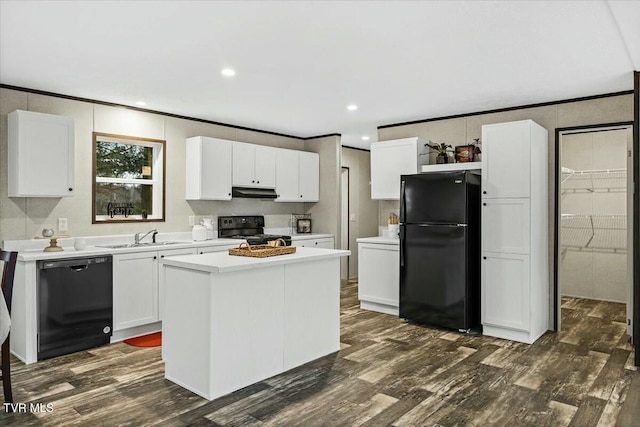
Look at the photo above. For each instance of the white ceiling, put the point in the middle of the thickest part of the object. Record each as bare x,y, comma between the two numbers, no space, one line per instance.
299,64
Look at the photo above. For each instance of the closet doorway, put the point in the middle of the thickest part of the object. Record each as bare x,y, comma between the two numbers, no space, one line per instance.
594,269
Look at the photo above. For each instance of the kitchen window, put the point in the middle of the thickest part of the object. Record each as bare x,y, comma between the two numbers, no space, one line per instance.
128,179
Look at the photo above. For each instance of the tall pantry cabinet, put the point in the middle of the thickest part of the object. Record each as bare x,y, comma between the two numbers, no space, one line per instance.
515,244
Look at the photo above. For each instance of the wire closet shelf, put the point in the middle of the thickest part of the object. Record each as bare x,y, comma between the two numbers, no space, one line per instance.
601,180
603,233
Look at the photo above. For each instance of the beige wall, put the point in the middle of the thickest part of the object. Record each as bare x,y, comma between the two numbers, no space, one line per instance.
461,131
23,218
325,214
599,273
360,203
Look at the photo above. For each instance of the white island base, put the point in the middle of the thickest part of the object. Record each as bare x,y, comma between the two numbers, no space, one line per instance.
233,321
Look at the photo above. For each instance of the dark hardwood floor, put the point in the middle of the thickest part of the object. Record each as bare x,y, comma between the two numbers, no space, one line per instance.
387,373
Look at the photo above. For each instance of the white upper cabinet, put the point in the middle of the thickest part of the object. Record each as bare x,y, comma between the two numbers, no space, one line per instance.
287,176
390,159
506,160
254,166
309,176
214,166
297,176
40,155
265,166
208,168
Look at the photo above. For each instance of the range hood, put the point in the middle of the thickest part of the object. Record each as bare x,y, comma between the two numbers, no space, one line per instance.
254,193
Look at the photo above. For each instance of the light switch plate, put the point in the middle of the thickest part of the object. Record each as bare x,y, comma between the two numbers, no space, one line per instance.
63,224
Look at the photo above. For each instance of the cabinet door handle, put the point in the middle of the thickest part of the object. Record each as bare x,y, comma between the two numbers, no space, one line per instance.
301,195
484,257
161,256
484,192
155,257
253,181
316,243
257,182
229,194
70,189
484,204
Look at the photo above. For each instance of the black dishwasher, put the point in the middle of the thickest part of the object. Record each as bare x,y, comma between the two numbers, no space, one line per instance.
75,305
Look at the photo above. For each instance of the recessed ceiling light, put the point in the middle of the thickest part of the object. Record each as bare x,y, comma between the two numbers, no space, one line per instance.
352,107
228,72
141,103
365,138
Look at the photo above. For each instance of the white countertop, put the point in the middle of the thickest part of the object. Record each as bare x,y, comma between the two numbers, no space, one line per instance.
379,240
70,252
32,250
222,262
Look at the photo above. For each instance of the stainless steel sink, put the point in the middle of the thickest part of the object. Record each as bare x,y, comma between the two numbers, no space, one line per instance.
138,245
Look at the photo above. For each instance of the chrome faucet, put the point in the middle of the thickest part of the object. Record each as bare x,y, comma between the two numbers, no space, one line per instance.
137,237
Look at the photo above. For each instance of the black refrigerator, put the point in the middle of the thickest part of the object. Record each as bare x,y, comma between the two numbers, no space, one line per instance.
440,249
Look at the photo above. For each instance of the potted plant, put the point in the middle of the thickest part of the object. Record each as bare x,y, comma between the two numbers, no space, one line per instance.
443,152
477,152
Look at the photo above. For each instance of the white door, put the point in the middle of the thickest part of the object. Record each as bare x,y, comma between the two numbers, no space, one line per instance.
505,291
378,273
244,164
344,239
216,169
287,176
389,160
505,160
265,164
505,225
135,289
309,176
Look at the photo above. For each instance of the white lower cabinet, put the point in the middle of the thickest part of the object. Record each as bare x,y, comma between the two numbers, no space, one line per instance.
505,291
323,242
378,277
137,291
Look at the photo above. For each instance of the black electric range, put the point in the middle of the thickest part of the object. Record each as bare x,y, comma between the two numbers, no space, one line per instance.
249,228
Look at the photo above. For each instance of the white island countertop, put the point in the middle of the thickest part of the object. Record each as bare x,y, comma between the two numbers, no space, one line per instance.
222,262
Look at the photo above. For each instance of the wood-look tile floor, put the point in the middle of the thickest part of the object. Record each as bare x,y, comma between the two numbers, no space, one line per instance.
387,373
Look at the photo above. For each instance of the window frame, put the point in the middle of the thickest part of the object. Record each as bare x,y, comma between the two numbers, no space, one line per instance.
158,180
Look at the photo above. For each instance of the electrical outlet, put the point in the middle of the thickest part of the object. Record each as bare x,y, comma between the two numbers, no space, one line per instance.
63,224
192,220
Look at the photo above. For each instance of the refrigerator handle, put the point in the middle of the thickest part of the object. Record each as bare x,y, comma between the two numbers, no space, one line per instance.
402,240
402,203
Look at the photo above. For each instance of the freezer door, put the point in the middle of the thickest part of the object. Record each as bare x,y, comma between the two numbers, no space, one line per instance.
433,278
433,198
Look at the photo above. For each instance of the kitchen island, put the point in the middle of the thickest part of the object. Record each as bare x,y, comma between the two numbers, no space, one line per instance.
231,321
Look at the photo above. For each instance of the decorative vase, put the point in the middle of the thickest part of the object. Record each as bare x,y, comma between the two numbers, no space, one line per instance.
443,158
